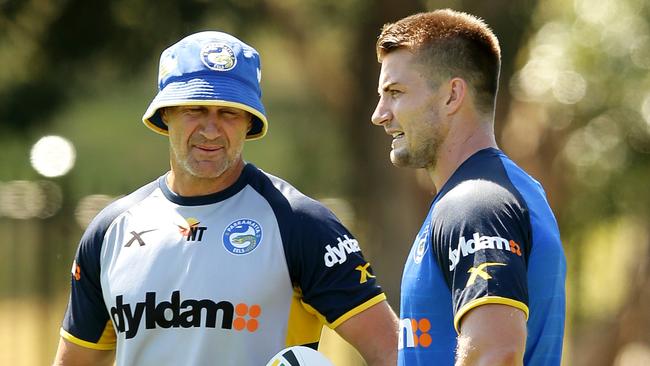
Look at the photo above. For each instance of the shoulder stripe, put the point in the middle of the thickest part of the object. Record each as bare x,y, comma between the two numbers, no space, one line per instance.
373,301
80,342
487,300
369,303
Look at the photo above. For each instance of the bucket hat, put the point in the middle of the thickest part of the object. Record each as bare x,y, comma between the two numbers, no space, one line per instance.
209,68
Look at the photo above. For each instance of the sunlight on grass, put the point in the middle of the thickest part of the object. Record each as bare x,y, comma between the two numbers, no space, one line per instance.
608,263
30,331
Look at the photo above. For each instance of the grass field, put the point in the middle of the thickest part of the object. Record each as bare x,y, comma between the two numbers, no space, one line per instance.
29,331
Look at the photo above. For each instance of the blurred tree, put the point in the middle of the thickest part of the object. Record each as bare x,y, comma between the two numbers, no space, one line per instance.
53,48
582,90
573,110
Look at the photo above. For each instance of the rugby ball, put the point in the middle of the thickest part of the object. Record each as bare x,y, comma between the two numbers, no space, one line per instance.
299,356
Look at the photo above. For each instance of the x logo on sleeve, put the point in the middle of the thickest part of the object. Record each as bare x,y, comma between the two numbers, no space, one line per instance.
481,271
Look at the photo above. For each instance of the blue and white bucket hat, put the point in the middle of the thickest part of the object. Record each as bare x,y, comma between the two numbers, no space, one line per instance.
209,68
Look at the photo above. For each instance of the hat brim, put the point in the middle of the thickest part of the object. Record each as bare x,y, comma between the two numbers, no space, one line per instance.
211,91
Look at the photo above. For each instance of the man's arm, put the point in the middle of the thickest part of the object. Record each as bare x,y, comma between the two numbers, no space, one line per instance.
70,354
373,332
492,334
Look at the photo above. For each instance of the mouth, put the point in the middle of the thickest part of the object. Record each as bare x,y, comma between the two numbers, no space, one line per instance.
208,149
397,137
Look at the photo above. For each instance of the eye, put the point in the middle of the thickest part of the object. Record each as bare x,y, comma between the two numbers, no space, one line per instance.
394,93
231,112
391,91
192,110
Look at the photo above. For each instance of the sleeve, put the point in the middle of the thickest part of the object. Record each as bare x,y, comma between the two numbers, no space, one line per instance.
482,237
86,321
326,264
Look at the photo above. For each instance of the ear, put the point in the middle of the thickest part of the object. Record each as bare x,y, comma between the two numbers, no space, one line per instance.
457,88
163,115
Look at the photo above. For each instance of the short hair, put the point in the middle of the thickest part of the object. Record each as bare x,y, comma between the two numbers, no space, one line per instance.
450,44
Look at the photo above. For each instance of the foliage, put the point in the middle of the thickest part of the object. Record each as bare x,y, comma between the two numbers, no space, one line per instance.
573,109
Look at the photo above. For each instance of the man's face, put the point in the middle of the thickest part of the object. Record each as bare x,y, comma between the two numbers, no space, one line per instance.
408,109
205,141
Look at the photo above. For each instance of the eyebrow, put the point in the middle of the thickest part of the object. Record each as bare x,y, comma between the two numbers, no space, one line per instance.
386,87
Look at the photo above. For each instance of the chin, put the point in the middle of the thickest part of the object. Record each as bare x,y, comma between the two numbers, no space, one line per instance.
206,173
400,163
399,160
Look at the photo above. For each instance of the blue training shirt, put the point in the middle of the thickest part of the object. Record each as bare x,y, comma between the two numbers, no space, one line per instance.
490,237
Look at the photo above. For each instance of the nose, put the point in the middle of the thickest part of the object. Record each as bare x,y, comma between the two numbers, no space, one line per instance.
382,114
211,126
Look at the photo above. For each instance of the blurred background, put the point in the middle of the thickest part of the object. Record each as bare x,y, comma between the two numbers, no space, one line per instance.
573,110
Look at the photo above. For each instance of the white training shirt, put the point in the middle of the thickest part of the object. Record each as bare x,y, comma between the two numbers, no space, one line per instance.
229,278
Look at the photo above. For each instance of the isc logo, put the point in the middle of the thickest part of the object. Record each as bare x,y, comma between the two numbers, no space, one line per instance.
188,313
414,333
192,232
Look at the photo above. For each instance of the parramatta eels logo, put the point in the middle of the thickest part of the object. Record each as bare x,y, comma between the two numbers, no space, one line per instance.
421,244
218,56
242,236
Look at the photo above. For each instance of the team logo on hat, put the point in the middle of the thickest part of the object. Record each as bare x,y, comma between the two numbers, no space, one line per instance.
242,236
218,56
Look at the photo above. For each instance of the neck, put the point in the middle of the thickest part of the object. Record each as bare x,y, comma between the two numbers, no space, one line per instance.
185,184
459,145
